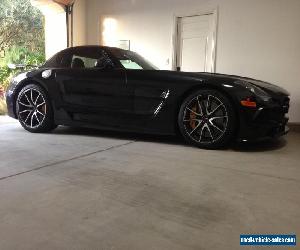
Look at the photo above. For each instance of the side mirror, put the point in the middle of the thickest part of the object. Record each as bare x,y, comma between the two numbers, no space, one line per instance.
12,66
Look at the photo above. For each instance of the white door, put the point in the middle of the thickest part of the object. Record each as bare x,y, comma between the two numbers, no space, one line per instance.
195,50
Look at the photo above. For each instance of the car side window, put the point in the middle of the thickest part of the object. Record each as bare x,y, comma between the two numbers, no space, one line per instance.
129,64
81,57
90,58
104,61
83,62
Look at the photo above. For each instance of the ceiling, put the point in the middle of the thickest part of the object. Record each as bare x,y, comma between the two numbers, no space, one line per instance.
51,6
64,2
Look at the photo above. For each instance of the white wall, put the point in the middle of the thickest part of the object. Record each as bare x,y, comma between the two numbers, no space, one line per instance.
55,33
256,38
79,33
55,26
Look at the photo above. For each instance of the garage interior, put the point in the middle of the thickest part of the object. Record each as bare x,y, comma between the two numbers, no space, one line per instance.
88,189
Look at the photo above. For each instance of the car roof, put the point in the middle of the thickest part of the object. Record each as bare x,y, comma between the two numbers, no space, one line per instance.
95,46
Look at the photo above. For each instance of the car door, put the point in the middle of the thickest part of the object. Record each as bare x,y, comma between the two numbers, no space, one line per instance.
92,93
150,94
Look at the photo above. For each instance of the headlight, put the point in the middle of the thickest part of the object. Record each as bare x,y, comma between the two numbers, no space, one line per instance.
255,90
47,73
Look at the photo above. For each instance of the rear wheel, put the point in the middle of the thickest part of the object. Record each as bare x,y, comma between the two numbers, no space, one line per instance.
34,110
207,119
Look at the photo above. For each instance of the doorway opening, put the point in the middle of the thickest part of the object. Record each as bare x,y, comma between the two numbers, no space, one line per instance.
195,42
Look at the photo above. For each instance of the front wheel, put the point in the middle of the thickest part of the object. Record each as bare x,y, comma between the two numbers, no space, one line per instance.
34,110
207,119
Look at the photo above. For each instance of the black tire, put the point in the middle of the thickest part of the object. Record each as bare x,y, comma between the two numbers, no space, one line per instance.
34,109
207,119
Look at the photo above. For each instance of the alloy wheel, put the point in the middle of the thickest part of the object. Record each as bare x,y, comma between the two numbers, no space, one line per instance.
205,119
32,108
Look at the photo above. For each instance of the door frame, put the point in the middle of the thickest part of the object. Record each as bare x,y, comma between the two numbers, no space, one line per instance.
176,36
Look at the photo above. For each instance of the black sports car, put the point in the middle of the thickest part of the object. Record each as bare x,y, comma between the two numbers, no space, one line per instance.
110,88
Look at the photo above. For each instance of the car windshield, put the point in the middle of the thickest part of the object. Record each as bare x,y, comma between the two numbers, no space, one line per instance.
132,60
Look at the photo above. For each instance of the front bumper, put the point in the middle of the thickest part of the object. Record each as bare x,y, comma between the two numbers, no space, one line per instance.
265,122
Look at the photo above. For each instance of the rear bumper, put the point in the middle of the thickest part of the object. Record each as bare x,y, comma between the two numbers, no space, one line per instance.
10,104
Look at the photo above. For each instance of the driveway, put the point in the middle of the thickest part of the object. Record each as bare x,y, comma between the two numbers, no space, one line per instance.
88,189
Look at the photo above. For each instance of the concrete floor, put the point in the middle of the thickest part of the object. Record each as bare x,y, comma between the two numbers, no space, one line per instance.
87,189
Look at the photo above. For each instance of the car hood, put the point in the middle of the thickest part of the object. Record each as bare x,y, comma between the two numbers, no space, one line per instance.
261,84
